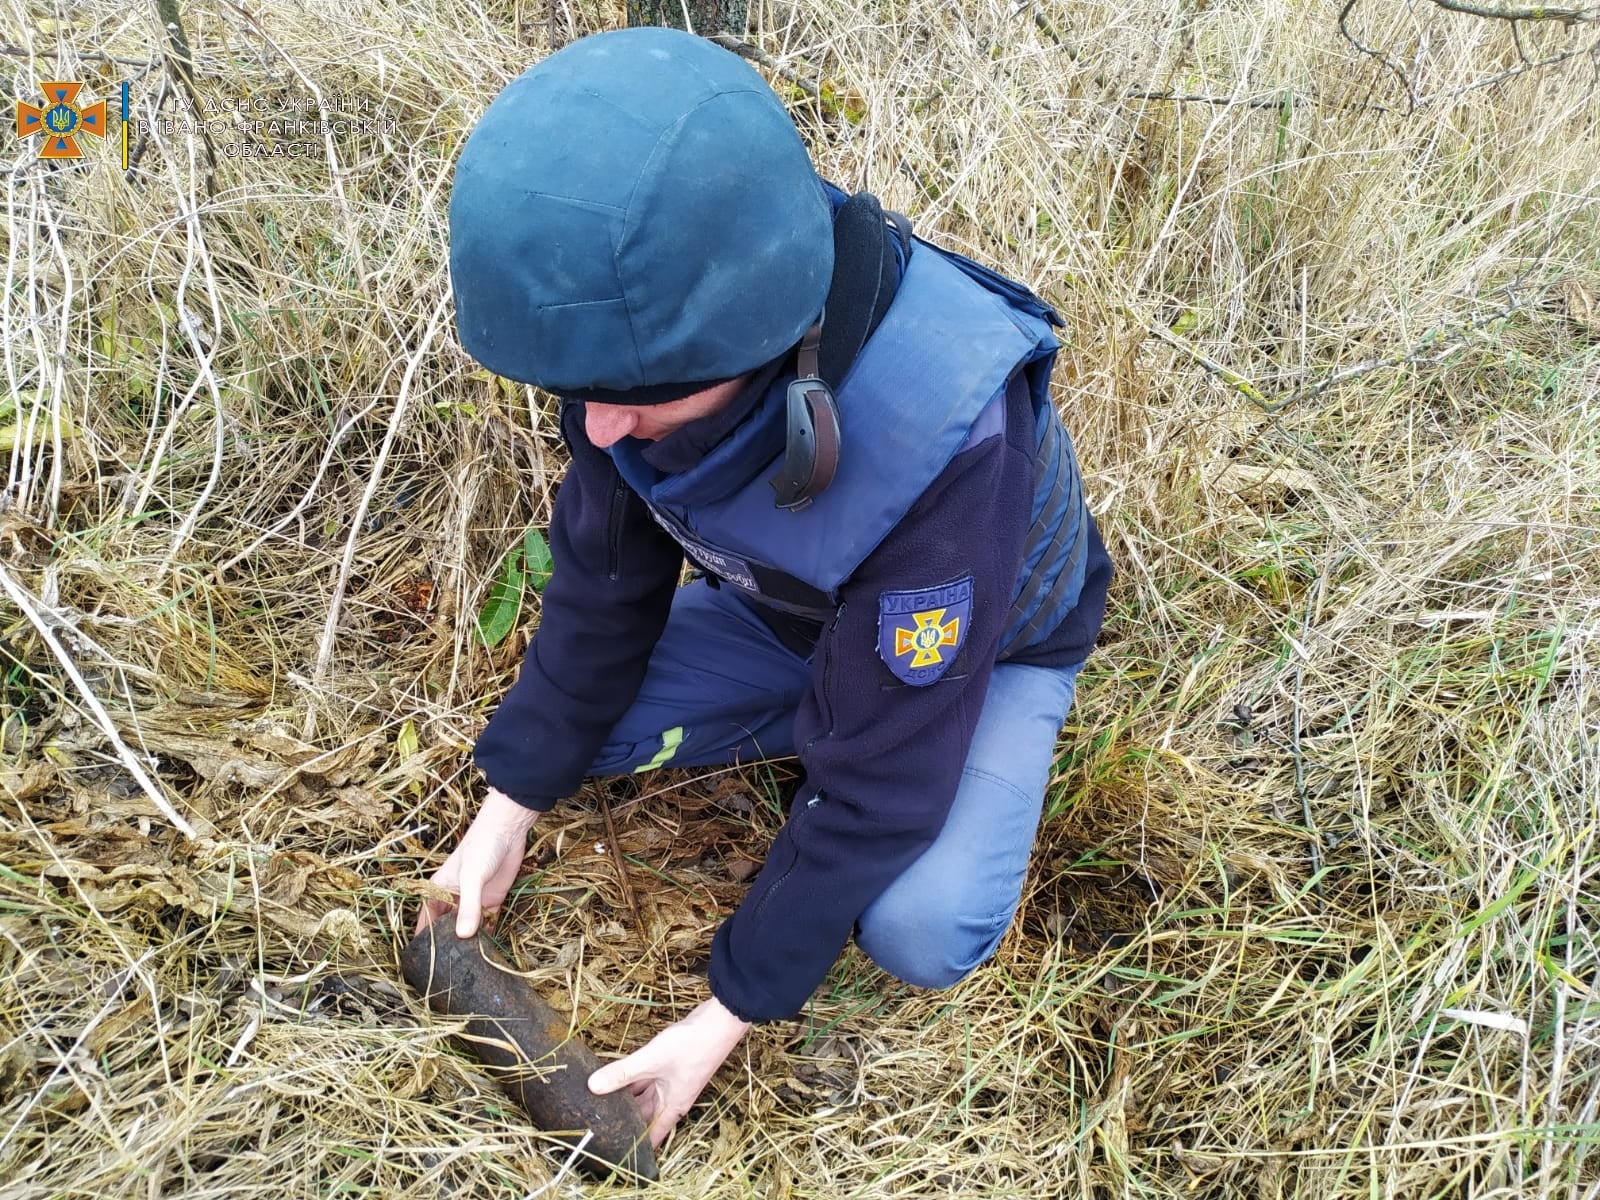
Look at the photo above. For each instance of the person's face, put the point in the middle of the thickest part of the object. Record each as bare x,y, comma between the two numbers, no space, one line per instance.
609,423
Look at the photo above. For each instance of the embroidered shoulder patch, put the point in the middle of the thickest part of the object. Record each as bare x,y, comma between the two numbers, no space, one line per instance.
920,632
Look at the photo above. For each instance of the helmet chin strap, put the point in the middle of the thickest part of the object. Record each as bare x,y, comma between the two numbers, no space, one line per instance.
811,453
868,245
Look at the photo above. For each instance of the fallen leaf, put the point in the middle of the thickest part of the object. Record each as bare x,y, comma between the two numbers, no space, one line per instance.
1582,305
426,889
33,780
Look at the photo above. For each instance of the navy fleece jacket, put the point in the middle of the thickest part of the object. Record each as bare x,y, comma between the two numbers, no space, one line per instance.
881,759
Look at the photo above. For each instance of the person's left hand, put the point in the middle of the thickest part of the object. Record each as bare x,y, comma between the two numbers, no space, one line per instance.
670,1070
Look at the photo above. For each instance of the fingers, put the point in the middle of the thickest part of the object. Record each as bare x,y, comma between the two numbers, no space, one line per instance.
660,1079
662,1125
477,872
644,1088
611,1077
447,877
469,912
484,866
432,910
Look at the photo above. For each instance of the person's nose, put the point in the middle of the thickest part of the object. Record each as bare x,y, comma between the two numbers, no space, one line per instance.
608,423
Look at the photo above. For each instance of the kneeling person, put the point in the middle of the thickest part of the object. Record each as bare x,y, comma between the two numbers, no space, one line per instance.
849,433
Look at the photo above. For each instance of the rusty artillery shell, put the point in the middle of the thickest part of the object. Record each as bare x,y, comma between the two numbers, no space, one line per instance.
525,1044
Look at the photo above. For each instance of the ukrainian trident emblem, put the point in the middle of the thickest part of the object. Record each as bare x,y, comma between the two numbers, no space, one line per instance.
61,121
920,632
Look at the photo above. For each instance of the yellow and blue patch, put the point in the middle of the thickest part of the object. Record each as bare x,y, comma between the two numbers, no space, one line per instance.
921,631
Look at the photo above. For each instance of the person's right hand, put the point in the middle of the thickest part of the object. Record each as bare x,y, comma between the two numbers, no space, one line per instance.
483,867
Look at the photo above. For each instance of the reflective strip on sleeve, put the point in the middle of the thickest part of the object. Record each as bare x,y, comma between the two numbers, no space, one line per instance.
670,741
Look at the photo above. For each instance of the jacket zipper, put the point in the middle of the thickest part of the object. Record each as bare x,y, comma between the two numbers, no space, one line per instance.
777,883
827,680
619,503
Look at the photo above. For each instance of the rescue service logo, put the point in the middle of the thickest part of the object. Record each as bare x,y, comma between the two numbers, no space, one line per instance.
61,121
920,632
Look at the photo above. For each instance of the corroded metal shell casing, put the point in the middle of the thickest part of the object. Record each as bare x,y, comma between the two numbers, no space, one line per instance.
526,1045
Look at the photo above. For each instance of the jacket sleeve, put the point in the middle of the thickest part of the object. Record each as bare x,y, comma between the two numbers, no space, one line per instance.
603,610
882,759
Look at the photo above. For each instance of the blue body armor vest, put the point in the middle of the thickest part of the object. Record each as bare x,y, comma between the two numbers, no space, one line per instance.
931,380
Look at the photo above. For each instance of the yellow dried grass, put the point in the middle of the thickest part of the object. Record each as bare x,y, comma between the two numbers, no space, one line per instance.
1314,911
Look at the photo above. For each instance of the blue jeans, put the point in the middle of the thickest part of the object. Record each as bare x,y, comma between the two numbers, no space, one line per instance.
722,689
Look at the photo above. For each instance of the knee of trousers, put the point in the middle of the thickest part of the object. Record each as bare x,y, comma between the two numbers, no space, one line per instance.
928,945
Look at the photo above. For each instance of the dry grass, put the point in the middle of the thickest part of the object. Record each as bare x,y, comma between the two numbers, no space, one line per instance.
1314,914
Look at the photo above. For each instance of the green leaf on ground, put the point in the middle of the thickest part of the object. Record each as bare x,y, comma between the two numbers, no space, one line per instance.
536,559
500,611
527,564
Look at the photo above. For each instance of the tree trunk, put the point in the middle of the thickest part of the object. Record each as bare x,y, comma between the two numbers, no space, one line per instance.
705,17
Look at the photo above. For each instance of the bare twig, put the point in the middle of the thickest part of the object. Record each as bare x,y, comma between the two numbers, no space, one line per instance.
1566,16
1433,346
1211,366
1374,52
180,61
757,55
19,596
828,95
1522,68
1516,16
1274,103
621,865
1044,26
1516,38
181,58
1418,102
12,51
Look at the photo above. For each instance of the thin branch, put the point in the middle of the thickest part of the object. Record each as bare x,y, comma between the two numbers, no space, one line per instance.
146,64
1374,52
828,95
1567,16
1516,40
180,63
1434,346
1211,366
1050,31
1275,103
1509,73
181,57
757,55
